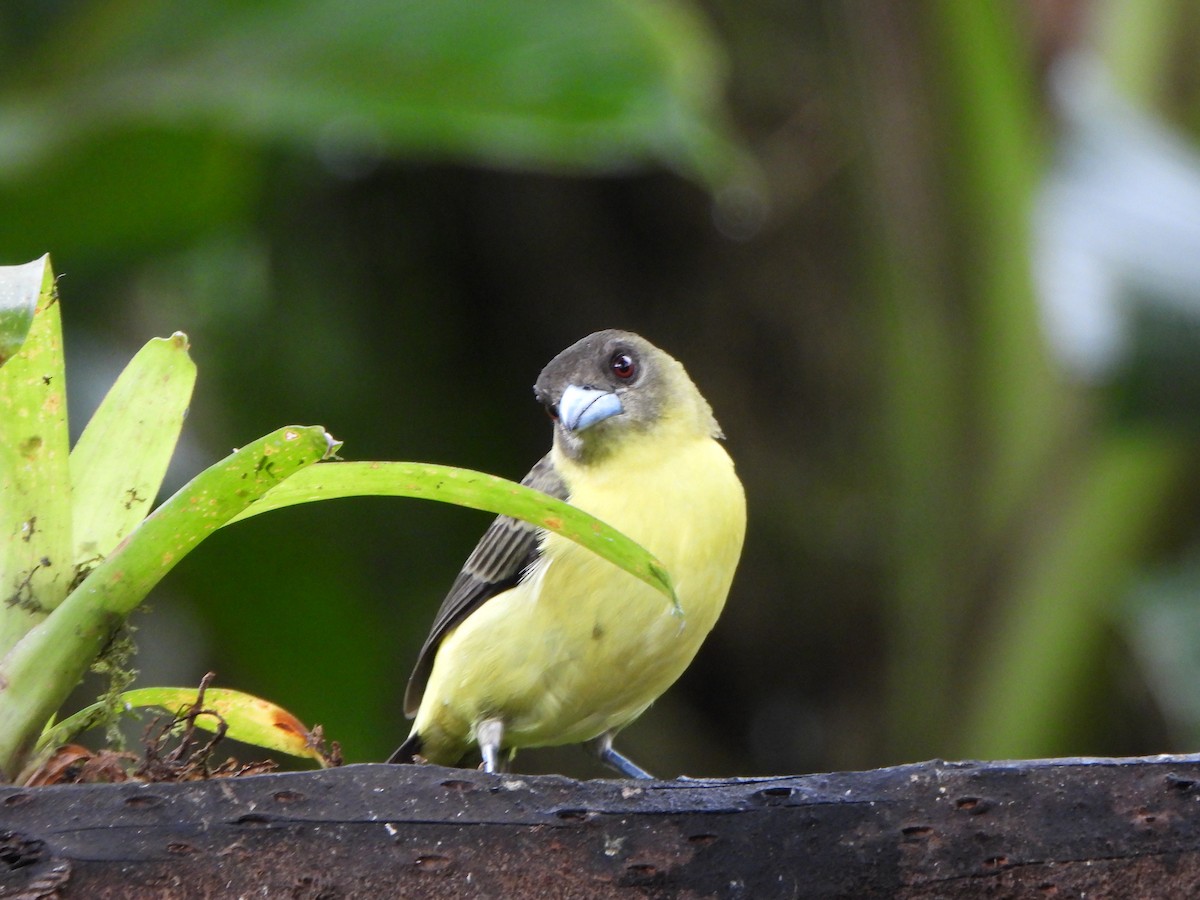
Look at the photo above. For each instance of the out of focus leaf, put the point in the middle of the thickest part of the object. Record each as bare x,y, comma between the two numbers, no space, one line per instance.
596,84
146,188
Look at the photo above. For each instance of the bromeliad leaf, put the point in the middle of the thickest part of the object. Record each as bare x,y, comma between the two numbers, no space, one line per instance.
476,490
58,651
35,513
200,507
249,719
119,461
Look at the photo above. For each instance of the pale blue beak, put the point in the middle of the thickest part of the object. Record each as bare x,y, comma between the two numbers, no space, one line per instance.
583,407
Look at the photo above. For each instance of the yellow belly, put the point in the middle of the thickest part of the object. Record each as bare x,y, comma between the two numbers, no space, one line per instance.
580,647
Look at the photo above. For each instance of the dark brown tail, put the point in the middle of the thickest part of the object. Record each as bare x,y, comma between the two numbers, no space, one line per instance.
408,751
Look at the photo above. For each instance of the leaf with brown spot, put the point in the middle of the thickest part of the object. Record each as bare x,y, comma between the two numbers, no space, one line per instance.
248,719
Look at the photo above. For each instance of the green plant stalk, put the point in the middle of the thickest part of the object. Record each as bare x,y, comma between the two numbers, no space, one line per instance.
995,133
36,563
921,409
944,384
1039,653
43,668
921,399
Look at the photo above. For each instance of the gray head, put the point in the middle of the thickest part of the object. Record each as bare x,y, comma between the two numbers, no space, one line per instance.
614,384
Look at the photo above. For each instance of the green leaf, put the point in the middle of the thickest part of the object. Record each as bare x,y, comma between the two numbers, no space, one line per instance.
202,506
249,719
43,668
119,462
36,565
202,181
592,84
19,290
475,490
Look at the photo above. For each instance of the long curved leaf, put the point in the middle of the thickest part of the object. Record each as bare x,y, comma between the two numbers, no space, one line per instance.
472,489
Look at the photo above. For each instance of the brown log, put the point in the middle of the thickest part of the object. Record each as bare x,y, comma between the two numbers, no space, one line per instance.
1047,828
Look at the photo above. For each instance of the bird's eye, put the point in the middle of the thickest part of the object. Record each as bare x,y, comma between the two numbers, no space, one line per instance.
551,411
622,365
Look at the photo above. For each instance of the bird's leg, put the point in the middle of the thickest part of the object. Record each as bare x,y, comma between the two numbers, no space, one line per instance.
489,734
603,748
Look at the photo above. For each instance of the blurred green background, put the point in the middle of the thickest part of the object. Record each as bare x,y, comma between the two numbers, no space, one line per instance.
934,265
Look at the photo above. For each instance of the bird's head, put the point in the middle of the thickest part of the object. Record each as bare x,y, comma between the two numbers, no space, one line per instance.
612,386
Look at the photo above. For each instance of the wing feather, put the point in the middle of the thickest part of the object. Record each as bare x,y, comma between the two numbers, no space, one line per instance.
505,551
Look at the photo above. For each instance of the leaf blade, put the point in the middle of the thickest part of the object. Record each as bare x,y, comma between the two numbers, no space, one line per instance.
118,463
476,490
35,517
250,719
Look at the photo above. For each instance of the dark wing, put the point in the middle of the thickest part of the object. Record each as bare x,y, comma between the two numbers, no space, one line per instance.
507,549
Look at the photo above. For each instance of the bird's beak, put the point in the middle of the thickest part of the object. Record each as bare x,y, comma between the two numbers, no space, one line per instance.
583,407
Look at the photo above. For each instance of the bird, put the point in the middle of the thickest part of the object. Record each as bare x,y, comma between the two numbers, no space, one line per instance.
540,642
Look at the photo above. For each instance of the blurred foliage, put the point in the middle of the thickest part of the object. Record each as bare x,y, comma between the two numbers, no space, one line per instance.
407,209
188,95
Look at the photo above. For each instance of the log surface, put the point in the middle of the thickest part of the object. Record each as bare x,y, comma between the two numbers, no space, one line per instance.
1044,828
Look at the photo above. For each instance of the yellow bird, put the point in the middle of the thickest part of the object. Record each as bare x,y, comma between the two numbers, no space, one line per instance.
541,642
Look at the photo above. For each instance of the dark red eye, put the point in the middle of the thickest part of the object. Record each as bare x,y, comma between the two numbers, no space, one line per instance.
622,365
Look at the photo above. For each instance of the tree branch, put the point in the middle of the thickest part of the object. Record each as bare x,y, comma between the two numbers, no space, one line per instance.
1067,827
